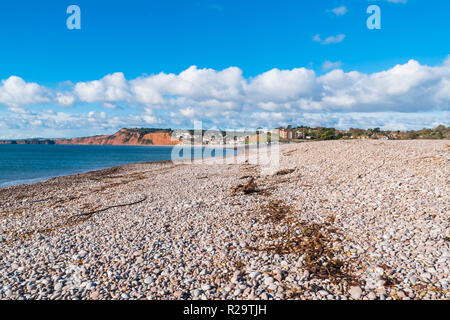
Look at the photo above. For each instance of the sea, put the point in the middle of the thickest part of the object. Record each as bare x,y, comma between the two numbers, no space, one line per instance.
24,164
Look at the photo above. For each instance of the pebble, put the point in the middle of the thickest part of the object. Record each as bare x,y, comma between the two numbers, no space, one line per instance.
355,292
196,293
268,281
191,239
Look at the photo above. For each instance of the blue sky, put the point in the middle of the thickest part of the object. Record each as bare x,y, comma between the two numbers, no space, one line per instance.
232,64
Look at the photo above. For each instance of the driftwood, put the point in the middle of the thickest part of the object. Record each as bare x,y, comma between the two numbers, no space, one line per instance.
89,214
84,216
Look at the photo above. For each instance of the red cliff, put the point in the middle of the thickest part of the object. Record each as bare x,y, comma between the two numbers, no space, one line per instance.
127,137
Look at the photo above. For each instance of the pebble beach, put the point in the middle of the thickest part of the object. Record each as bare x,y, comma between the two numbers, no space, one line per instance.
337,220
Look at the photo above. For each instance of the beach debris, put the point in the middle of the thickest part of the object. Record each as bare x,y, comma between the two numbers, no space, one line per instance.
289,153
390,239
87,215
284,172
313,242
276,211
247,188
72,220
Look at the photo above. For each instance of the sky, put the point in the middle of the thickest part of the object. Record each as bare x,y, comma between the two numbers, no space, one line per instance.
232,64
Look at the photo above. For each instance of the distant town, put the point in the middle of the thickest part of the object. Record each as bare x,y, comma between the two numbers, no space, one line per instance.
323,133
289,134
304,133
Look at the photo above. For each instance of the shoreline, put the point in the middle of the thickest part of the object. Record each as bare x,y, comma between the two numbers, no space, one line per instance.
160,230
43,179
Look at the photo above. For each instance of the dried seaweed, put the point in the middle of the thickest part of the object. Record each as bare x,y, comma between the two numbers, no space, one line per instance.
275,211
312,241
284,172
246,188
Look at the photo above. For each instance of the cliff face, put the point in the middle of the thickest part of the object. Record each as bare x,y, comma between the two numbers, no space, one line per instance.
126,137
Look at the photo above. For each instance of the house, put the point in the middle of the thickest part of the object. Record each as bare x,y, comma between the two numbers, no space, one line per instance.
285,133
300,134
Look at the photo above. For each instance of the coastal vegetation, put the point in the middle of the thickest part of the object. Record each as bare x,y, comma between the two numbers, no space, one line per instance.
324,133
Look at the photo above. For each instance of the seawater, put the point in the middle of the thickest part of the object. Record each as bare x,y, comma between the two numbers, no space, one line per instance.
23,164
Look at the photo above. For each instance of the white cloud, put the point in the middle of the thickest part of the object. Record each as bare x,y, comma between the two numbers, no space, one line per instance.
281,85
113,87
226,98
340,11
64,99
108,105
14,91
329,40
329,65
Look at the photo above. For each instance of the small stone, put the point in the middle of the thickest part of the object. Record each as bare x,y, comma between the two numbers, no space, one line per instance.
196,293
234,279
381,290
254,274
372,296
206,287
90,285
82,253
268,281
401,294
355,292
426,276
273,287
139,260
125,296
149,280
323,293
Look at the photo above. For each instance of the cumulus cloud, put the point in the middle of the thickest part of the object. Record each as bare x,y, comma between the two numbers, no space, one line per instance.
14,91
113,87
64,99
281,85
417,93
